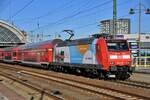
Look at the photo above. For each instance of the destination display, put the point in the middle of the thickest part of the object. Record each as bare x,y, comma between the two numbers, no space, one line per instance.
134,46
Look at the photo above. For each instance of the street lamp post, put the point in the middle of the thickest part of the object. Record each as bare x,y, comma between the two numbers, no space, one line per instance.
147,11
139,27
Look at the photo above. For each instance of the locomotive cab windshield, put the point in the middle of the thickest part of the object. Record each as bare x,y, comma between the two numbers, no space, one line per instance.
117,45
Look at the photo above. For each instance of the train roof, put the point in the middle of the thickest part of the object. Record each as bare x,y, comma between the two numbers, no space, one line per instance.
8,49
41,44
82,41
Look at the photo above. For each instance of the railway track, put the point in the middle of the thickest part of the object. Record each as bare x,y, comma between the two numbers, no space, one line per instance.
31,86
132,83
117,94
65,82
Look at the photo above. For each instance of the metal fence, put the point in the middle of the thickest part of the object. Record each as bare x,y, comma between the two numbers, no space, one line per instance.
141,62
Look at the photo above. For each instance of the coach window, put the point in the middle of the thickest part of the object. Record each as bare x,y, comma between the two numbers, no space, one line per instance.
42,53
62,53
46,51
14,53
143,53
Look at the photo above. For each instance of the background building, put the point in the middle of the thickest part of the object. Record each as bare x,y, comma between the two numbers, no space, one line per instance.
122,26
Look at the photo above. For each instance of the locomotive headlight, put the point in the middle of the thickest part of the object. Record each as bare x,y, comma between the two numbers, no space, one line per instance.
127,63
113,56
126,56
112,63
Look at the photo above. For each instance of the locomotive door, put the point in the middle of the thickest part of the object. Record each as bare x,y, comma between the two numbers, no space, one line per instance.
98,53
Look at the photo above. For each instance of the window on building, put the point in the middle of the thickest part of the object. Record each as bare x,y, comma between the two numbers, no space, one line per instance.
148,53
143,53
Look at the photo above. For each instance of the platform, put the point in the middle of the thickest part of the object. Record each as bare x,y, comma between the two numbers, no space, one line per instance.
145,70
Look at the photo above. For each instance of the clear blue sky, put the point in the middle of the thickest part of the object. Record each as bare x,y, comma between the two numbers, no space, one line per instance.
83,16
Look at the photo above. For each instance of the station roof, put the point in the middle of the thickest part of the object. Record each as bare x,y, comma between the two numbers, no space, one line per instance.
10,35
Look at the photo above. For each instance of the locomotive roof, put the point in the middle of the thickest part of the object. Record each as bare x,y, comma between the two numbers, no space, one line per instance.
117,40
76,42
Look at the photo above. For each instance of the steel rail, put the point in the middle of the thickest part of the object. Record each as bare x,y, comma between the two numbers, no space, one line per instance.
38,74
62,82
40,90
137,84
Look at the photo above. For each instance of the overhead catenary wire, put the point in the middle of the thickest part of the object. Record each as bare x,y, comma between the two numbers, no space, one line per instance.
20,10
74,10
96,23
93,23
58,22
73,15
78,9
58,11
54,11
89,14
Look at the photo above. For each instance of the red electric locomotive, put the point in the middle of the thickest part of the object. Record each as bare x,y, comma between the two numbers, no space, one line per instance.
97,55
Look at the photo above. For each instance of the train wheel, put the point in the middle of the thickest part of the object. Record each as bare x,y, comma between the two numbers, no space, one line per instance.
100,76
122,75
49,68
65,70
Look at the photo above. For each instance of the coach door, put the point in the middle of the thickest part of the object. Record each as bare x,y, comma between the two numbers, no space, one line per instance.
50,55
38,55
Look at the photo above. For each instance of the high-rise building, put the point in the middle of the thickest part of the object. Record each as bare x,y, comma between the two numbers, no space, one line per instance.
122,26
